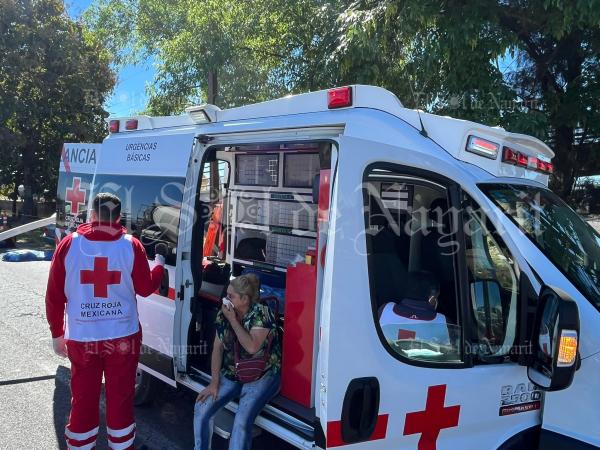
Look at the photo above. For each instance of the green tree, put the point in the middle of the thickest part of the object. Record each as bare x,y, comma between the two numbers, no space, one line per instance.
54,79
531,66
258,49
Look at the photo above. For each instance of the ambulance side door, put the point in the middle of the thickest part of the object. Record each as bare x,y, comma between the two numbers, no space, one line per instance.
390,370
147,171
188,277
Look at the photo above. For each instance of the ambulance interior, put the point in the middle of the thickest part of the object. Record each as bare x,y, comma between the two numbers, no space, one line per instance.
260,206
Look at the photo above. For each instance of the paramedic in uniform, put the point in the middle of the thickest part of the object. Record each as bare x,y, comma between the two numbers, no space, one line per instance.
91,307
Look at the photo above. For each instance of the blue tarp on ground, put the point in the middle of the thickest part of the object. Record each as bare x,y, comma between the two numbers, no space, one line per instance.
27,255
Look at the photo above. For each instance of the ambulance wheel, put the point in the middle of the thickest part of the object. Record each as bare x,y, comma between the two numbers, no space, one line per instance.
145,387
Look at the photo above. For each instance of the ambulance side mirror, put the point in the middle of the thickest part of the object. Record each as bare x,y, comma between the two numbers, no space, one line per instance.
555,342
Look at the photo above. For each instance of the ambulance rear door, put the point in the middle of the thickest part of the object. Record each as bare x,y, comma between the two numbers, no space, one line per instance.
147,171
392,373
189,257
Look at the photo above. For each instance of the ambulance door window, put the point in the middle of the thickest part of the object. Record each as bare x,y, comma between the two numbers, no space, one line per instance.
150,208
411,261
493,285
220,178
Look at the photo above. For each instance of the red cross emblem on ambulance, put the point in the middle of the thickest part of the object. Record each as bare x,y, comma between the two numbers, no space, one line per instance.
100,277
434,419
75,195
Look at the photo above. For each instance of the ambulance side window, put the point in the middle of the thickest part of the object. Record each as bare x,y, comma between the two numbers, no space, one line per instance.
493,285
411,255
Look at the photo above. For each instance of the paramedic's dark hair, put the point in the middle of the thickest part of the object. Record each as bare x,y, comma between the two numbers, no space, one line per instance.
107,207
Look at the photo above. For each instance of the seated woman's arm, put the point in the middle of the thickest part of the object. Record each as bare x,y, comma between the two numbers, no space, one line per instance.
251,341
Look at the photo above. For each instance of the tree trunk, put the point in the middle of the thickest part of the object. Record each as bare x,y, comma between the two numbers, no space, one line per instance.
565,161
28,179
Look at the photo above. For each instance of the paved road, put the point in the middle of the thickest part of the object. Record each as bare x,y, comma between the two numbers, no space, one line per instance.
34,383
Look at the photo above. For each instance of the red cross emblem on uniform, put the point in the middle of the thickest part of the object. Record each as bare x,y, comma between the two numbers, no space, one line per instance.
100,277
431,421
75,195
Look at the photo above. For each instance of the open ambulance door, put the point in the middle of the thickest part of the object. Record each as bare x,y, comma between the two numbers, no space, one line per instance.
147,171
418,317
188,277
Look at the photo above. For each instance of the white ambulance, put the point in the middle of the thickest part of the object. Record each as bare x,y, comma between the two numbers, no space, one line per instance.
433,293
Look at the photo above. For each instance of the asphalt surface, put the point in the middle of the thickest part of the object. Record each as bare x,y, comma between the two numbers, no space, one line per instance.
34,382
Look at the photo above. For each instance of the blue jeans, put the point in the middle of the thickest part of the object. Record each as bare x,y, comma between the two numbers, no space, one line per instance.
253,397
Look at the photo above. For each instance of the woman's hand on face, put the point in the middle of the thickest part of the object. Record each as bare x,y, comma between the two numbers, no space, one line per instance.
209,391
229,313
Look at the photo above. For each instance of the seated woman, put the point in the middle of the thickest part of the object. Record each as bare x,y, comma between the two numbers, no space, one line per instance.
245,329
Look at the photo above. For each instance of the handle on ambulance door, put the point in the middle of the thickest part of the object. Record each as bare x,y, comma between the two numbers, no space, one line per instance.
360,409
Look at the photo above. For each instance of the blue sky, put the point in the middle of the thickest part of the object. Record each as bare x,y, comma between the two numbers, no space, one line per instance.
129,95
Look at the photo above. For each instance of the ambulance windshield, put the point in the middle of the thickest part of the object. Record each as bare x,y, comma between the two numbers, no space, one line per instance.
558,231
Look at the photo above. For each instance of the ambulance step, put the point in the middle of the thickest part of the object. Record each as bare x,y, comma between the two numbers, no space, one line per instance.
224,424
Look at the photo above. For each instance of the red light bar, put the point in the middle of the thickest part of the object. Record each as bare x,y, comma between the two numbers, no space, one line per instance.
482,147
131,124
532,163
523,160
113,126
541,165
339,97
513,157
510,156
545,167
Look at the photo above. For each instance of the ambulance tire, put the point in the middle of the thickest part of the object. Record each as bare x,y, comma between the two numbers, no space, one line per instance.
146,387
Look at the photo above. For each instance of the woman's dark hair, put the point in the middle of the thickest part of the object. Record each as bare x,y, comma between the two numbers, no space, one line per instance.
107,207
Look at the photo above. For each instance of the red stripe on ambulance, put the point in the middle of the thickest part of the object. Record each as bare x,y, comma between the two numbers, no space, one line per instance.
334,431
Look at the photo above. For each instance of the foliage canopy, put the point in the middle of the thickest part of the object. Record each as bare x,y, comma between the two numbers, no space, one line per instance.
531,66
54,78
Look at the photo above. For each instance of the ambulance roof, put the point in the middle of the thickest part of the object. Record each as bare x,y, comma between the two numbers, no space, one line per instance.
451,134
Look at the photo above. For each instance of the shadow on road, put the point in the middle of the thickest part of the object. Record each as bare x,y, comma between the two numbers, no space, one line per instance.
61,404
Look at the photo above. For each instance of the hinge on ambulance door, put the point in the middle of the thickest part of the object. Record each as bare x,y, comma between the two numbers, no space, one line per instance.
204,139
182,288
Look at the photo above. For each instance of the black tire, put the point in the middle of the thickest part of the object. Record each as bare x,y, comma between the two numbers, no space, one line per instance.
145,388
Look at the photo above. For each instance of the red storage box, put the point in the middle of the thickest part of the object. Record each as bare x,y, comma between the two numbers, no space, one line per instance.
298,335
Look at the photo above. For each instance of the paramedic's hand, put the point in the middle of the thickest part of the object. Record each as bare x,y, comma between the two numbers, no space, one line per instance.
209,391
160,251
229,314
59,346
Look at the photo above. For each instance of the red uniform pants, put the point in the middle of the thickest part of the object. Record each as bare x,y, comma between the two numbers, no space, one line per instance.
117,359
